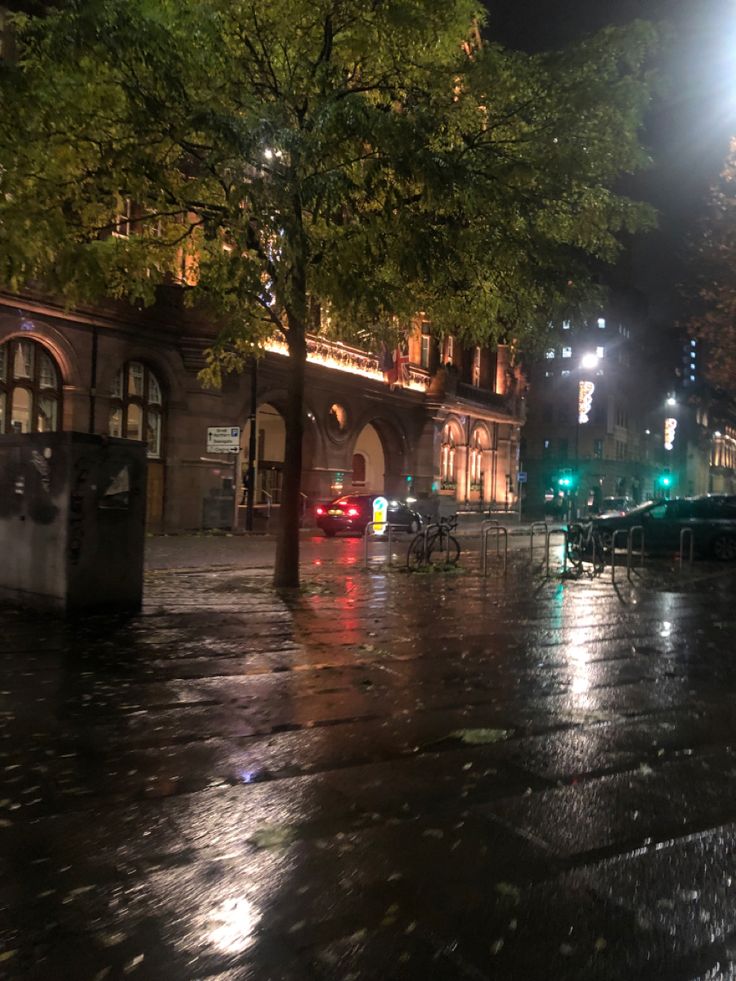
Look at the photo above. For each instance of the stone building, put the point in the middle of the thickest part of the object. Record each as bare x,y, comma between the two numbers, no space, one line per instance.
447,433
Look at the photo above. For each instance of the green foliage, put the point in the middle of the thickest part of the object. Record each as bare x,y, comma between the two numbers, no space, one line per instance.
331,148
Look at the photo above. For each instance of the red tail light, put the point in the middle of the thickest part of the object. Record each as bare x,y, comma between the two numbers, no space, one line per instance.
319,510
353,512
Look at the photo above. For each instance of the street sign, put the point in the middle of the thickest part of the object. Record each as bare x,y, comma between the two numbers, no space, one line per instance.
223,439
522,477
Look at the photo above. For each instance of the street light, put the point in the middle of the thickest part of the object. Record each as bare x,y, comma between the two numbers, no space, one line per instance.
589,361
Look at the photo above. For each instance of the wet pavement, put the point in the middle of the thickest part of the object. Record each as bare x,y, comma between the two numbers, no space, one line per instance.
384,776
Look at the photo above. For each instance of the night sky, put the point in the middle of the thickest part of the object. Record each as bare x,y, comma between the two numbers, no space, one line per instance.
689,127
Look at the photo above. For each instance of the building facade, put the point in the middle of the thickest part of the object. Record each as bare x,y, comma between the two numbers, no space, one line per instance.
594,419
446,433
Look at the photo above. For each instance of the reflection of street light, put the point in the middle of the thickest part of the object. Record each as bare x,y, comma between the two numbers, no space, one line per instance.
671,400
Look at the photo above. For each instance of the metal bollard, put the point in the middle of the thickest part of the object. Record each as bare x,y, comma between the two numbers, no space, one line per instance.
548,534
368,534
630,548
536,525
683,533
485,530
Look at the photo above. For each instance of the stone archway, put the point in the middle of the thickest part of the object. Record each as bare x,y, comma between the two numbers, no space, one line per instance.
383,448
270,451
368,462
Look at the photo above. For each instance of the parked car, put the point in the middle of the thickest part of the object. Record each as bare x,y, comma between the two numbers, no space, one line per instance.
616,505
711,517
352,513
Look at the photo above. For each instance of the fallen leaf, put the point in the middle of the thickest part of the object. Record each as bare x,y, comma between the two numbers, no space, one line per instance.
477,737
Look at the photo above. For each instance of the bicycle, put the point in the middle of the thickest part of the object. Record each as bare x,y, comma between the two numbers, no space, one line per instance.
584,539
436,539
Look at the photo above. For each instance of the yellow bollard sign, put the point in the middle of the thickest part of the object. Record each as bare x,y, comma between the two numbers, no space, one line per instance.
380,514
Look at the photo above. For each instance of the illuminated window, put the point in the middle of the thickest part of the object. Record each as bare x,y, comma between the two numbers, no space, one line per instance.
136,407
601,323
599,352
565,324
424,351
449,350
123,219
567,352
476,367
30,388
447,458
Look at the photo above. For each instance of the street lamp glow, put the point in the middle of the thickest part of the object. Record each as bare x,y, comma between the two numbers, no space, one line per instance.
589,361
671,400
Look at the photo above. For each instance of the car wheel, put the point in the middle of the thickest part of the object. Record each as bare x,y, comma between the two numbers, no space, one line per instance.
329,533
724,548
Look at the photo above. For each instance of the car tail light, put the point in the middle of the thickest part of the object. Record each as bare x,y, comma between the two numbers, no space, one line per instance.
353,512
319,510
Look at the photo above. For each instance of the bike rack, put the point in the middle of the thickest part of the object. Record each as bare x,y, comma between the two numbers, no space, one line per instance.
683,533
630,548
627,533
535,527
547,535
485,530
368,533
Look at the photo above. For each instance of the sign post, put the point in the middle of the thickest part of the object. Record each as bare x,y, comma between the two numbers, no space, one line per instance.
226,439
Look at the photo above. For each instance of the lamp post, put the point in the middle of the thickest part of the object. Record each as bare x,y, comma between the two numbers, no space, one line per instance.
250,478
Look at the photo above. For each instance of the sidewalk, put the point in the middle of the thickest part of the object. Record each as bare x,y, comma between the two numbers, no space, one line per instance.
382,777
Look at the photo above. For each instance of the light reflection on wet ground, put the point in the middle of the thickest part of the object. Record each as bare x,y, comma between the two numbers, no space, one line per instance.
384,776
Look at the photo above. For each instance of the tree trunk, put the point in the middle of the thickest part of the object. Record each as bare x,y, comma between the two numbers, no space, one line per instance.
286,570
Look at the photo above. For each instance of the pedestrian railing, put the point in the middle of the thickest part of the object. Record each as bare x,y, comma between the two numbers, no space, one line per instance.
686,533
486,529
383,536
550,532
536,527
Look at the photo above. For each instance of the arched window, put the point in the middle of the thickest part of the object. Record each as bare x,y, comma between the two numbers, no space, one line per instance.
30,388
358,469
447,458
136,406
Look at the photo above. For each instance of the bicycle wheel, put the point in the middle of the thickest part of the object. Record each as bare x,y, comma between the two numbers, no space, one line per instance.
415,556
444,548
575,545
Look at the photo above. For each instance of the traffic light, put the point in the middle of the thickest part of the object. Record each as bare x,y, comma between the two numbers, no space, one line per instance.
665,481
566,481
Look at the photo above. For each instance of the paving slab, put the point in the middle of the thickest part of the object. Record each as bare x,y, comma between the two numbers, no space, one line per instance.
379,776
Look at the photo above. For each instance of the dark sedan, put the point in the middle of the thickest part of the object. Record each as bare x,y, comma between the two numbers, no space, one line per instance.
711,518
352,513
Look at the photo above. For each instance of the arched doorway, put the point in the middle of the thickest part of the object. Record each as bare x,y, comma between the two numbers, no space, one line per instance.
270,452
368,462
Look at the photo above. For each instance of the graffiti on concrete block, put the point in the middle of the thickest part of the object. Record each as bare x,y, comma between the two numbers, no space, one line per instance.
116,493
44,469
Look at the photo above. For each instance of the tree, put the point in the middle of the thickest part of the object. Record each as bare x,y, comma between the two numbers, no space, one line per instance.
713,308
369,156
